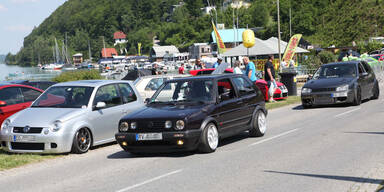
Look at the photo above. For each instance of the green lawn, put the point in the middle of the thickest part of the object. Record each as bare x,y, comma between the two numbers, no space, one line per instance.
9,160
290,100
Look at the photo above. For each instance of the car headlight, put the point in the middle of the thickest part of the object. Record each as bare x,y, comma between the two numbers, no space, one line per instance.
57,125
5,126
306,90
342,88
123,126
180,124
168,124
133,125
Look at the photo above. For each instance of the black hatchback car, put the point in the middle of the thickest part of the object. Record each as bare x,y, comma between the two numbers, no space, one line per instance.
344,82
194,113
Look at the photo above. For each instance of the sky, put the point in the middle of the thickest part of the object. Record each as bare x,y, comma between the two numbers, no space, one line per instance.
18,18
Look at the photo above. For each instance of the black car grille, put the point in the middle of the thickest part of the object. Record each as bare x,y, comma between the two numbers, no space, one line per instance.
151,126
323,89
27,146
32,130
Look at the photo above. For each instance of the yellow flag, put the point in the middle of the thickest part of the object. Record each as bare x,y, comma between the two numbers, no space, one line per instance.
291,48
220,44
139,48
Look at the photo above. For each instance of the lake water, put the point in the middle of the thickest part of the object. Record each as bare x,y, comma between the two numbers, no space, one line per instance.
15,72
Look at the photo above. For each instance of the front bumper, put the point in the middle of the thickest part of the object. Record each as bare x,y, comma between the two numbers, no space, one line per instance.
168,143
53,142
325,98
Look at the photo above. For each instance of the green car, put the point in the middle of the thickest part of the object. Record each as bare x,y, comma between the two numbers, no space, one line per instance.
372,62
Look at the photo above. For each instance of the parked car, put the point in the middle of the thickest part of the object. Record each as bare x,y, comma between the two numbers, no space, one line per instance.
281,91
344,82
71,116
195,114
14,97
41,84
148,85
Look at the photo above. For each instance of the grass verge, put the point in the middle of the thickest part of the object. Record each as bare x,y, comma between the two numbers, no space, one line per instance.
290,100
10,160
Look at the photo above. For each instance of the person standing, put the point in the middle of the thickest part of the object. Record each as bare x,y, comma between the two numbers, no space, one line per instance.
181,69
219,60
237,69
250,69
198,64
269,77
155,69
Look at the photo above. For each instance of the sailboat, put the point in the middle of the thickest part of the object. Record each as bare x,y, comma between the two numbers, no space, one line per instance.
58,62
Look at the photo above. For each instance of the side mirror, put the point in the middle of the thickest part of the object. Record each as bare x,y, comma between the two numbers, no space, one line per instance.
147,100
3,104
364,74
100,105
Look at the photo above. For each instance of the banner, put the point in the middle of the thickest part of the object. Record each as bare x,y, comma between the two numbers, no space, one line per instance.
220,44
291,48
139,48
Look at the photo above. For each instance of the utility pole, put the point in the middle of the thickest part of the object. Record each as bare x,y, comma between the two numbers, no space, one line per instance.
290,21
278,31
105,53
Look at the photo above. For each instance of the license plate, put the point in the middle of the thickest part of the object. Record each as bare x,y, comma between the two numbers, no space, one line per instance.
148,136
23,138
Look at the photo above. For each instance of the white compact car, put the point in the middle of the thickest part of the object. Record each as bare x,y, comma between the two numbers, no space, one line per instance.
71,117
148,85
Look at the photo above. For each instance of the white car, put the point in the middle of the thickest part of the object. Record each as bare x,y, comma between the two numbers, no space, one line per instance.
148,85
71,116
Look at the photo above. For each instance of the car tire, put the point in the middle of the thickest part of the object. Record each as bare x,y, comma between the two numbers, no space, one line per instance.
82,141
259,124
357,97
209,139
376,91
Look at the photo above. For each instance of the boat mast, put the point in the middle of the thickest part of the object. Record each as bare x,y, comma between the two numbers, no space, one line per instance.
89,51
57,52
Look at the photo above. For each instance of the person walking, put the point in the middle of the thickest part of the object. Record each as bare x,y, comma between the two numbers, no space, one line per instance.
269,77
181,69
250,69
218,62
237,69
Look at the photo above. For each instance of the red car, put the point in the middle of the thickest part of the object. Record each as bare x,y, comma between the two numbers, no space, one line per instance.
280,93
15,97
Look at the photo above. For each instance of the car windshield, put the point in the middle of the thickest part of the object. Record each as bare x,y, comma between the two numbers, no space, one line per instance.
196,91
65,97
335,71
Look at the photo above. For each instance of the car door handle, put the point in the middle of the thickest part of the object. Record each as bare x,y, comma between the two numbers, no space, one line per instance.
125,111
239,102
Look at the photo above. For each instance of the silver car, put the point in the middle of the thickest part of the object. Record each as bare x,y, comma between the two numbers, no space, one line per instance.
71,117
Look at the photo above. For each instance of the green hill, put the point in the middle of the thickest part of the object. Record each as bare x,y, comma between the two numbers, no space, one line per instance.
323,22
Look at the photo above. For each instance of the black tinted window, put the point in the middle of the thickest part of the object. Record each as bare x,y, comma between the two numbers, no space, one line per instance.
127,93
109,95
225,89
30,94
367,68
11,95
243,86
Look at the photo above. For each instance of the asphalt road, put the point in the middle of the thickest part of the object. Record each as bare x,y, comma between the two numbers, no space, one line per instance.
322,149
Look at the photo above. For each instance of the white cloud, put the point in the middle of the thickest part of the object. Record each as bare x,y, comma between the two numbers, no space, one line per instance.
18,28
2,8
24,1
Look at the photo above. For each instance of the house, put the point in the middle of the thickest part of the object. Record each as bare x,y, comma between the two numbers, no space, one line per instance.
236,4
77,58
199,50
108,53
119,37
157,52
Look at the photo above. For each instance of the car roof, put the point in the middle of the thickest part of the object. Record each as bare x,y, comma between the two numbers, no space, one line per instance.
345,62
164,75
89,83
206,77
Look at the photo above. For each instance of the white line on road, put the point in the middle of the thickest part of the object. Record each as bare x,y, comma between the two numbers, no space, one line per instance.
274,137
149,181
350,111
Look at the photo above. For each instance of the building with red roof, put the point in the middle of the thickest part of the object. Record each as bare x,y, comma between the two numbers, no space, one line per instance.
108,52
119,37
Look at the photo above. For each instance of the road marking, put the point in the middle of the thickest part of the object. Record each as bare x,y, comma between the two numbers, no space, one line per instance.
149,181
274,137
350,111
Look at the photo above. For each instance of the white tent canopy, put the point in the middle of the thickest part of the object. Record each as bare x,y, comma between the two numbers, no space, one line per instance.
261,47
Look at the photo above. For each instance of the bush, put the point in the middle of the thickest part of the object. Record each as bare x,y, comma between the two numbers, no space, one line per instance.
78,75
327,57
